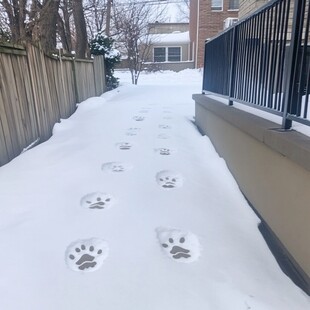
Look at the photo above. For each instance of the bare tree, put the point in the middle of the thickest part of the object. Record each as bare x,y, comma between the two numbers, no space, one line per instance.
95,16
131,20
183,7
46,21
5,34
80,29
16,13
48,25
35,21
65,24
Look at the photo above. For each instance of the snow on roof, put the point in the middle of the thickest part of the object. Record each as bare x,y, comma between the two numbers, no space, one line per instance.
175,37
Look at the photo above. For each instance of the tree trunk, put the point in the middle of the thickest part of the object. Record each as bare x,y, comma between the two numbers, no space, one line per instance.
80,28
64,27
48,25
16,12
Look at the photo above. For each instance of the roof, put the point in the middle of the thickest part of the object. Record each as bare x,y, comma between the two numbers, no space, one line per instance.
175,37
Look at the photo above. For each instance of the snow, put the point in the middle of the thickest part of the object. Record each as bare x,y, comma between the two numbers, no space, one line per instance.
170,38
304,129
86,224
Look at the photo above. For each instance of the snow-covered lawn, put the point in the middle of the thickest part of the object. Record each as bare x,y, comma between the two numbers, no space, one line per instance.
128,207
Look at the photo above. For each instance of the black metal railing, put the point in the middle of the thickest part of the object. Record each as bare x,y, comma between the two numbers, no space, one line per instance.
264,61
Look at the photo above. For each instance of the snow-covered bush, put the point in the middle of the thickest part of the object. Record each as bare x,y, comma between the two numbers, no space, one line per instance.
103,45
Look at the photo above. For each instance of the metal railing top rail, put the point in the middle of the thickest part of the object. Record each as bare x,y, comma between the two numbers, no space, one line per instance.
264,61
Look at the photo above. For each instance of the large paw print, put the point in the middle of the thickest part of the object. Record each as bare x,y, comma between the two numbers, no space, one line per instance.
97,200
179,245
116,167
167,179
124,146
87,255
138,118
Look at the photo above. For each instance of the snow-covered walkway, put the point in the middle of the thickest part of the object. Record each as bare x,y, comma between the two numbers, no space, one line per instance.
128,207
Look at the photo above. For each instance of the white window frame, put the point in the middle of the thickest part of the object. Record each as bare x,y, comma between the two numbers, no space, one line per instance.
154,54
166,53
217,10
233,10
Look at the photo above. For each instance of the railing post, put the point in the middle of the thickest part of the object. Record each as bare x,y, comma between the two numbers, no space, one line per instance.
233,65
204,68
290,102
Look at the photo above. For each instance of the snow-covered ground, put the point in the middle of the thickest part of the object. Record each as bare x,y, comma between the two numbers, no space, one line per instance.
128,207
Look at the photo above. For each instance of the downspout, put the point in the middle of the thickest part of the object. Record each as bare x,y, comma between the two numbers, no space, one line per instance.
197,35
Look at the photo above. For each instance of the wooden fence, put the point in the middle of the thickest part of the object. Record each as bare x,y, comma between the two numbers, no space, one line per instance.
36,91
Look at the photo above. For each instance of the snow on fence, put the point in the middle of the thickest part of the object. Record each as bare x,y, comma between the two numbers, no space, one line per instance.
36,91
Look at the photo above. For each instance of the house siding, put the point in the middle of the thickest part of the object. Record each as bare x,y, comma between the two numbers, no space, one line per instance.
160,28
249,6
184,51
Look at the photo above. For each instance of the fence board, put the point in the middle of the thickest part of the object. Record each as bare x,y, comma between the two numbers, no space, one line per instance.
4,155
36,91
99,72
85,80
9,99
25,99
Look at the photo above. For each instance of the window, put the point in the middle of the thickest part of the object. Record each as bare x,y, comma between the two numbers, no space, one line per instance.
233,5
159,54
217,5
162,54
174,53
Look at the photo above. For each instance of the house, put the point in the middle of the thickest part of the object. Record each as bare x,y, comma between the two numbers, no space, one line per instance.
170,47
207,19
247,7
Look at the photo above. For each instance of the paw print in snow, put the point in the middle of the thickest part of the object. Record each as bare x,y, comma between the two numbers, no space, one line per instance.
133,131
164,151
138,118
87,255
167,179
97,200
124,146
116,167
164,127
180,246
163,136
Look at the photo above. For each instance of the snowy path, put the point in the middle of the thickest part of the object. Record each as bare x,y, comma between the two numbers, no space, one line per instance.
128,207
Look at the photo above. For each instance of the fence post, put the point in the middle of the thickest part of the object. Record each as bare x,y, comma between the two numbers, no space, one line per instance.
233,65
77,97
290,102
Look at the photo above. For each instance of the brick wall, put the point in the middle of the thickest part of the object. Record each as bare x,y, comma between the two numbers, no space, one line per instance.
210,24
248,7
